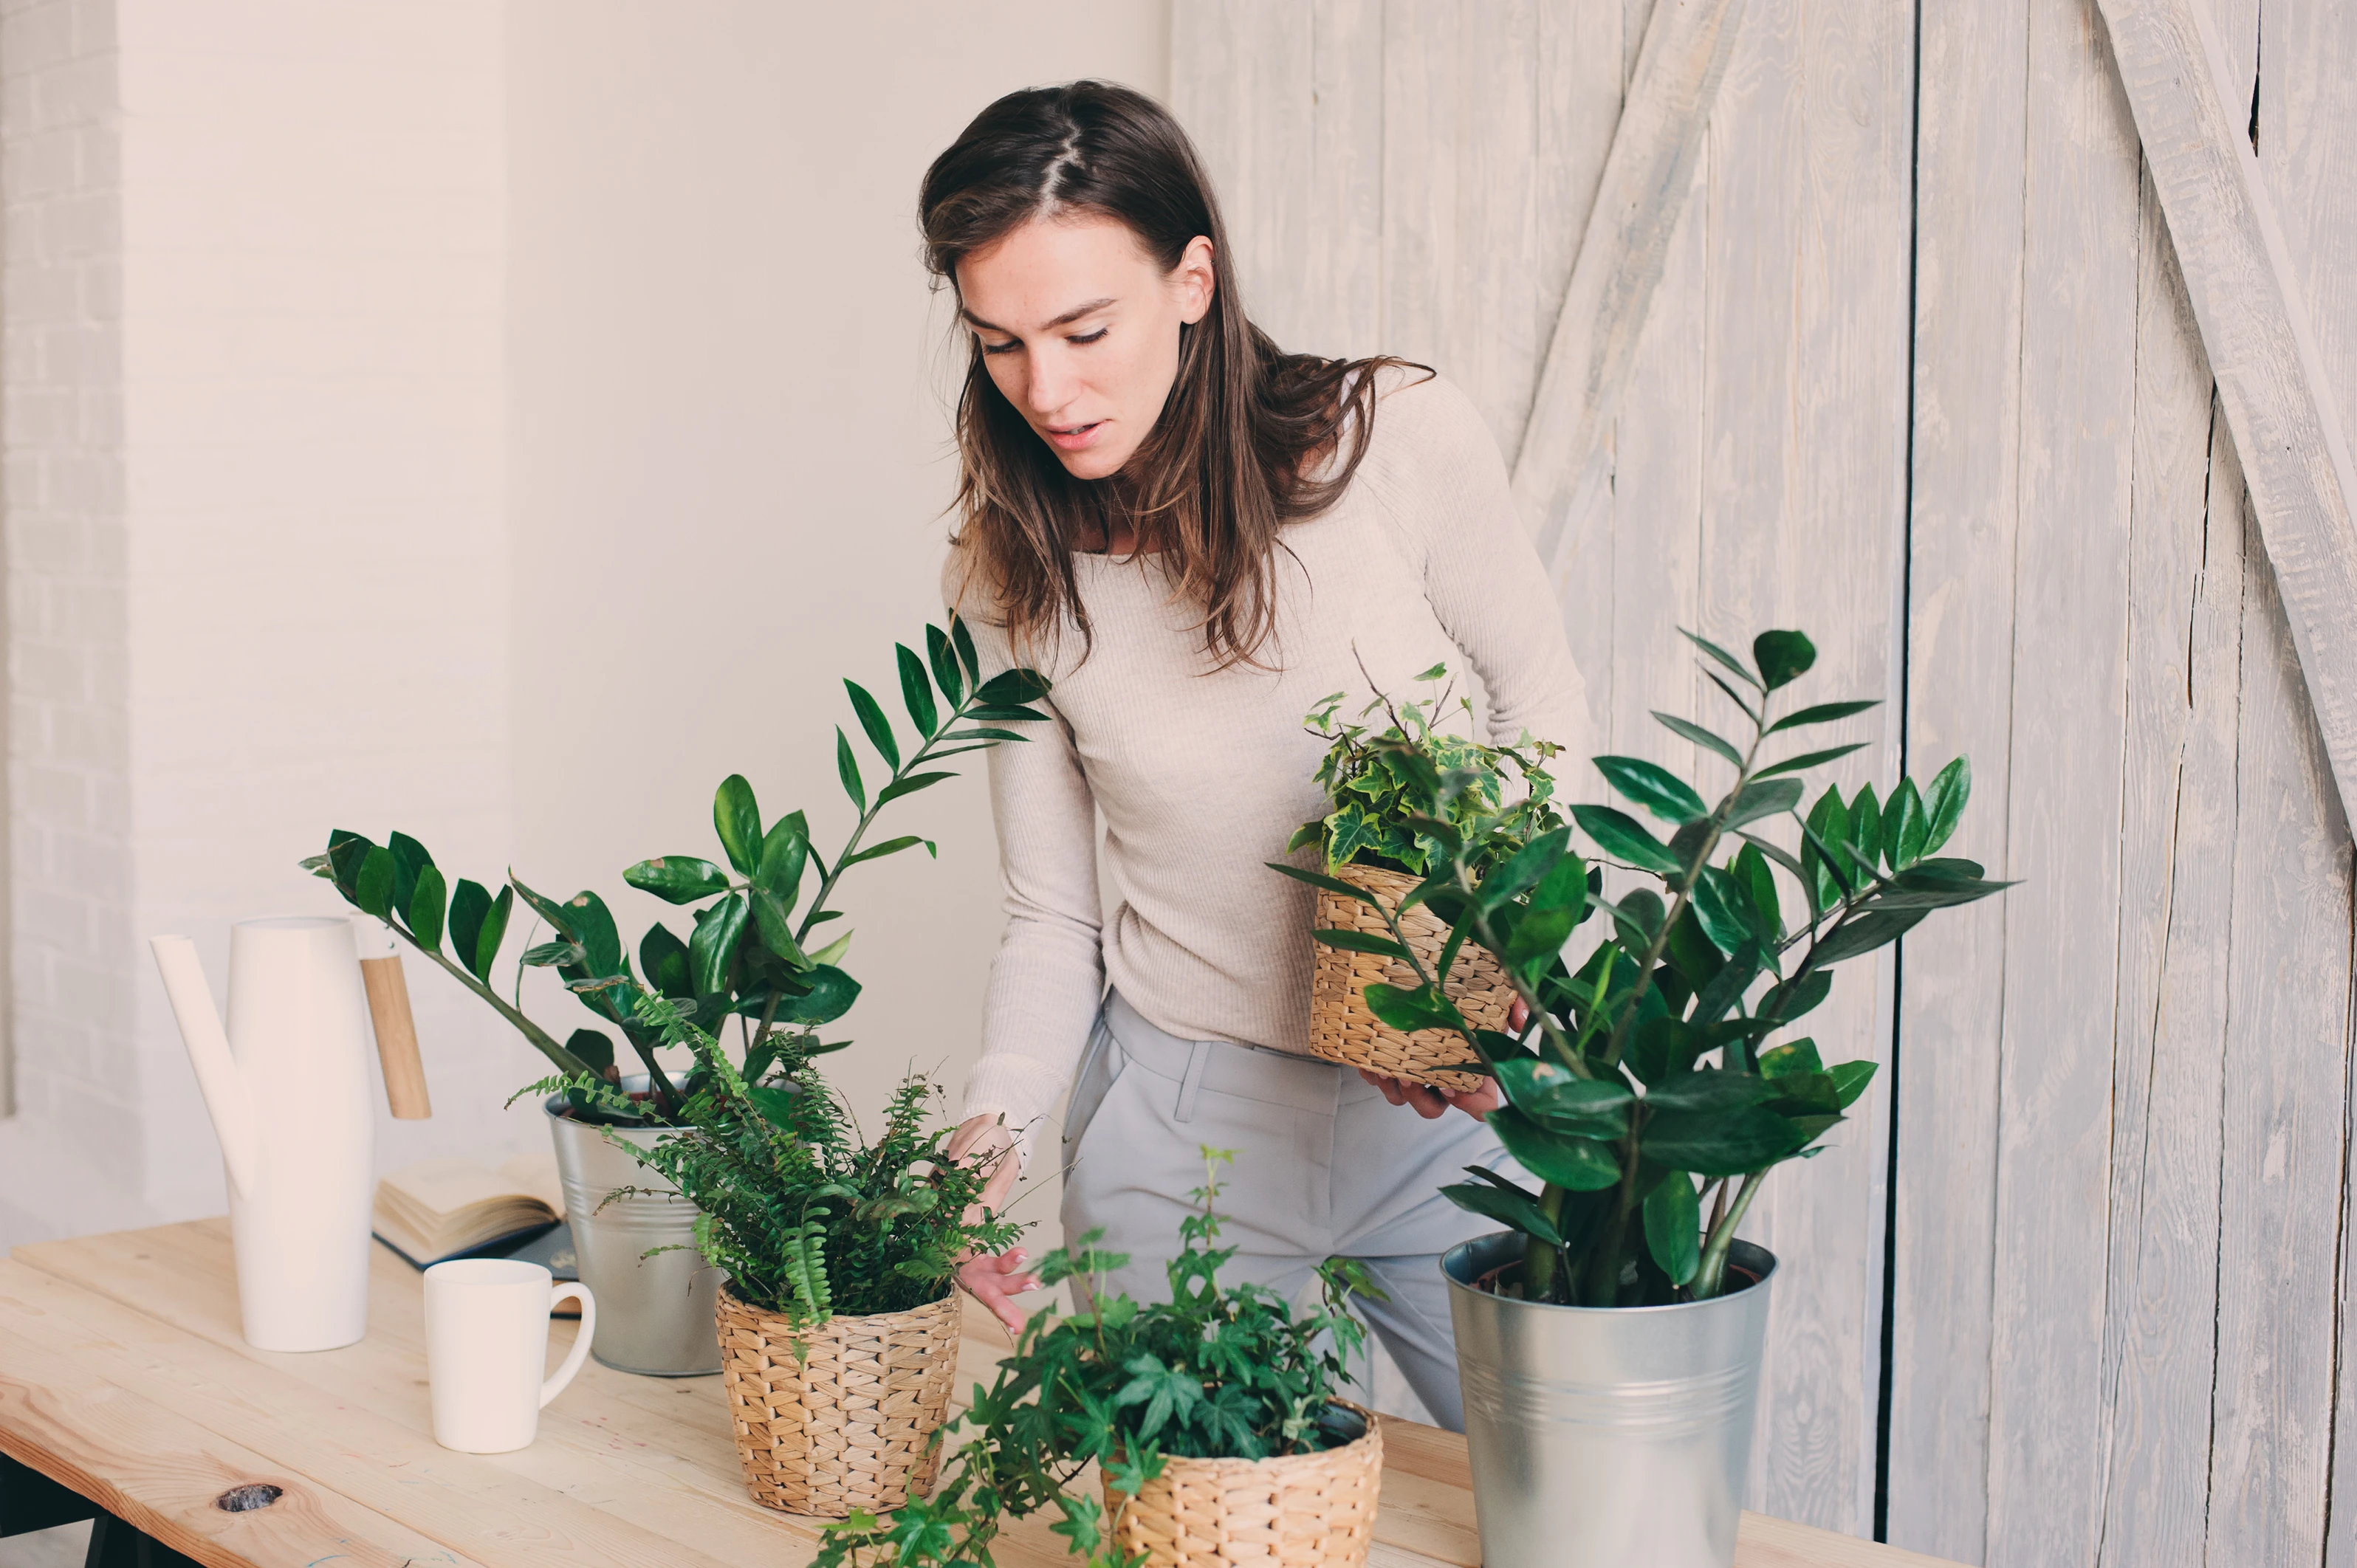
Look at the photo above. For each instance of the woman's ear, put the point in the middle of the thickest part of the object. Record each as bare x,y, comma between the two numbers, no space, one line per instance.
1194,280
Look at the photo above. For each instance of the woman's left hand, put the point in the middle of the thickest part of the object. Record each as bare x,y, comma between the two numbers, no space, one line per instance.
1430,1101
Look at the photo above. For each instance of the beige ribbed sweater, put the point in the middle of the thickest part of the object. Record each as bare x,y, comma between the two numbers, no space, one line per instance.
1202,775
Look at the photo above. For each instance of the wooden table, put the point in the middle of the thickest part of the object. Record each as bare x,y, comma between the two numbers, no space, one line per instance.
123,1376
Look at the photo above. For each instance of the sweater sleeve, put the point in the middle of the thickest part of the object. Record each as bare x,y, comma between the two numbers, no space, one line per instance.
1049,975
1451,501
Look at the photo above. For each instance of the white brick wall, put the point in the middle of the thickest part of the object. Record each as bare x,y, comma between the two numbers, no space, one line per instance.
255,461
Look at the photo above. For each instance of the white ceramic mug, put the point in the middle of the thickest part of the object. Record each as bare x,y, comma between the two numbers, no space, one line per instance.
486,1344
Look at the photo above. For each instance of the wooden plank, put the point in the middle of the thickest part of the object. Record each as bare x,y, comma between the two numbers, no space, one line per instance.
2287,1074
1420,170
161,1474
1240,82
1339,278
1964,516
2185,633
2068,684
1621,255
2271,383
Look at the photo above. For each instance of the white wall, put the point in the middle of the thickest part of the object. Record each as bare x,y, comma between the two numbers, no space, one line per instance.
495,422
728,445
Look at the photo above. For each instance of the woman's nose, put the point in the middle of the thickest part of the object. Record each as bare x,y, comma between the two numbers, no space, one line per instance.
1052,384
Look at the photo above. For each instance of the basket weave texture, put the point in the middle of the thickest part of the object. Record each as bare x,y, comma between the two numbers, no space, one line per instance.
852,1426
1341,1029
1303,1510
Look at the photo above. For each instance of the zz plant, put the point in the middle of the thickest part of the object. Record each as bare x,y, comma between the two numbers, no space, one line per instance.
1216,1371
750,954
1656,1085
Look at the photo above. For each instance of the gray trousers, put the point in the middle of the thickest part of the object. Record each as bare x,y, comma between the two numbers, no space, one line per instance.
1324,1168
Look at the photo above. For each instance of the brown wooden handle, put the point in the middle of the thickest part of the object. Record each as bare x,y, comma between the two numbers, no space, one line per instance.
396,1037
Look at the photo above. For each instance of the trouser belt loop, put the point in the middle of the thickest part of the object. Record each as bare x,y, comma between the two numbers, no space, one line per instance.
1199,1057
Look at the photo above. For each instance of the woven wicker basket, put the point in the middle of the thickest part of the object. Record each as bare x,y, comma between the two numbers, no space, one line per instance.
1304,1510
1341,1029
852,1426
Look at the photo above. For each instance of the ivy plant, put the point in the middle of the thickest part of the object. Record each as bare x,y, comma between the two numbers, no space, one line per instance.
1657,1082
750,952
1380,799
1216,1371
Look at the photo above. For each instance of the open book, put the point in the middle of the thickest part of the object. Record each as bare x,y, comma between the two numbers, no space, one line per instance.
439,1209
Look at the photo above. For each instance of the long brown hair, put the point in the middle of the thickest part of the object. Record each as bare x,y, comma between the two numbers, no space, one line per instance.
1238,450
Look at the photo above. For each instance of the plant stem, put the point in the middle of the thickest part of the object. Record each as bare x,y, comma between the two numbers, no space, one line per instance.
540,1039
1710,1279
1540,1257
829,879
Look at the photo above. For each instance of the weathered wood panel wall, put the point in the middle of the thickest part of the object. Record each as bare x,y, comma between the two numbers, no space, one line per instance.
1922,378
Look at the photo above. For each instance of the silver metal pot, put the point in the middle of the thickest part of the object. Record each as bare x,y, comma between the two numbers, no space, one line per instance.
654,1315
1607,1436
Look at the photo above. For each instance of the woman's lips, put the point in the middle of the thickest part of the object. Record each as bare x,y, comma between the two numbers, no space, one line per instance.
1073,438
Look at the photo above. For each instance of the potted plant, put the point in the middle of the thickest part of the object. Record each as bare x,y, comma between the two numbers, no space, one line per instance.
1609,1340
1213,1420
750,956
1373,841
839,1323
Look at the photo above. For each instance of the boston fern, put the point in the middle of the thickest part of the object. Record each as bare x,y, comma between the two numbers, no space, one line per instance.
1380,797
1651,1092
750,954
805,1218
1214,1372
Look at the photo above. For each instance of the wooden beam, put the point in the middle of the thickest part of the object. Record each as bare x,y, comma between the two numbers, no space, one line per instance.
1621,256
2271,384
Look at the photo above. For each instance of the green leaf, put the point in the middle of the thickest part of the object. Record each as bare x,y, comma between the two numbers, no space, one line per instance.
1666,1049
1330,883
737,820
546,908
663,960
1674,1227
916,691
1828,822
1810,760
1751,870
1552,1095
1749,711
563,952
1763,798
943,658
593,1048
785,850
1913,889
1012,688
1797,1056
1865,822
677,878
1510,1206
1742,670
1783,656
846,768
773,921
372,885
593,927
1359,942
1801,998
409,858
909,785
1864,934
1850,1079
1655,788
889,846
872,720
1006,714
713,946
984,734
1410,1009
1700,736
1723,909
1904,827
1944,803
830,996
1823,713
1438,671
426,901
1622,837
1579,1165
1539,934
469,903
346,850
962,640
1530,864
1707,1089
486,949
1720,1142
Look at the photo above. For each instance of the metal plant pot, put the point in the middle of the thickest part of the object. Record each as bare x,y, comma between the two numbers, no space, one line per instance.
1607,1436
654,1315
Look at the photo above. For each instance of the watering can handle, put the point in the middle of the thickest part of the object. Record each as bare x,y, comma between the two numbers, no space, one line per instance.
396,1028
217,1073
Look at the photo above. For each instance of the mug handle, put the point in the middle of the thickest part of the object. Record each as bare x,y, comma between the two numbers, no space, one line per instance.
580,1352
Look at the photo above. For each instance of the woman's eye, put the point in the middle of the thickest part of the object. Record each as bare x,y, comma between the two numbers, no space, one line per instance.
1090,337
1006,348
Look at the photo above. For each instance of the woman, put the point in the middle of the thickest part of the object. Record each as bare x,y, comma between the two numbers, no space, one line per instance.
1196,537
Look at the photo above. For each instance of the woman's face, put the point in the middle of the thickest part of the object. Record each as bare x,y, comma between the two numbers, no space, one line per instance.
1080,330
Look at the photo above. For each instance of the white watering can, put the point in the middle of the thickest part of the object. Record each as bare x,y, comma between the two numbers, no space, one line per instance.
287,1086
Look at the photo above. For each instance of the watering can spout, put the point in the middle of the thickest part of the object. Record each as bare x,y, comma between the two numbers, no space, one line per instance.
226,1097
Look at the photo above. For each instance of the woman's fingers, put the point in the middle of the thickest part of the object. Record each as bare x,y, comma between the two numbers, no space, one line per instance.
1517,1015
996,1281
1478,1102
1390,1087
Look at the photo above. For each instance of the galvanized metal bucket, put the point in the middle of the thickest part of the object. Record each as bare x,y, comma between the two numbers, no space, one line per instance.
654,1315
1607,1436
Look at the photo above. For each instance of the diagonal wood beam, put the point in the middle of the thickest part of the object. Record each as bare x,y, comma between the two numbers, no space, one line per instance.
2271,384
1622,252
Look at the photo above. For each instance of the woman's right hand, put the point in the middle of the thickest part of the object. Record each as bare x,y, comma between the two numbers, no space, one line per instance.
993,1281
